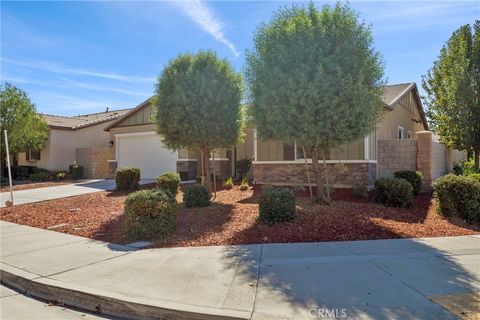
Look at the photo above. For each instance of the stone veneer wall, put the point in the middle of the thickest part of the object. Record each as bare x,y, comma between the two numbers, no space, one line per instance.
194,168
94,161
188,166
342,175
395,155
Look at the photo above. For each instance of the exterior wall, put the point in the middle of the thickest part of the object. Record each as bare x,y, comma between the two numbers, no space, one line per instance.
61,147
395,155
402,114
244,150
95,161
341,175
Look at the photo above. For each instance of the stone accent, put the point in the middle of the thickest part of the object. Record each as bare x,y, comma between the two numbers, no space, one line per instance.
395,155
222,168
340,175
188,166
94,161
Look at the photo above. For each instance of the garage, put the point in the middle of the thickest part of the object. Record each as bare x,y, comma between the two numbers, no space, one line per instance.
144,150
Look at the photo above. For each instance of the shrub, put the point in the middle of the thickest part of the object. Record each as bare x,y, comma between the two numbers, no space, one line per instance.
20,173
413,177
196,196
394,192
126,179
40,175
457,169
57,176
243,167
244,185
475,176
360,190
458,196
169,181
468,167
276,205
76,172
228,183
150,214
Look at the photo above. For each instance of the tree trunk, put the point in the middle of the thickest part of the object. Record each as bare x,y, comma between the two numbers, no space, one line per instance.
318,178
214,176
206,168
326,174
477,160
308,173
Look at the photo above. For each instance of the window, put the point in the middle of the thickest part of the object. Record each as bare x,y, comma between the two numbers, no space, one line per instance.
33,155
401,133
409,134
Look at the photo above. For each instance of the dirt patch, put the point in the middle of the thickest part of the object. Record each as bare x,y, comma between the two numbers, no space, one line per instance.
233,219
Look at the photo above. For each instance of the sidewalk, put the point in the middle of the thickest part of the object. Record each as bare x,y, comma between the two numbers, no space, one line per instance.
364,279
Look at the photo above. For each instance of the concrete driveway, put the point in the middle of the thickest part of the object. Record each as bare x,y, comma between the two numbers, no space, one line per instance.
63,191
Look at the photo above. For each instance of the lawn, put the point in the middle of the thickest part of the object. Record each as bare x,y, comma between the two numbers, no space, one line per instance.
233,219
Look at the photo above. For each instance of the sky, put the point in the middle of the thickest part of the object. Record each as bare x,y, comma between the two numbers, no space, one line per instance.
78,57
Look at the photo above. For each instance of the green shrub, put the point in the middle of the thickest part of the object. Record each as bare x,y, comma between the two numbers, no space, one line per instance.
126,179
228,183
76,172
196,196
169,181
360,190
244,185
276,205
243,167
458,196
413,177
468,167
394,192
20,173
40,175
150,214
475,176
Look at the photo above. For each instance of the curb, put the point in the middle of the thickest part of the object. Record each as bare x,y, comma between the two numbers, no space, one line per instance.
107,303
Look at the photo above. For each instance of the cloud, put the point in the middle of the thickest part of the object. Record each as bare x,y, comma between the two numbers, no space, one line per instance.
202,15
94,87
55,68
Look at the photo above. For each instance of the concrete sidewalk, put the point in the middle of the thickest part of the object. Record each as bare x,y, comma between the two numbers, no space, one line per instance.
63,191
383,279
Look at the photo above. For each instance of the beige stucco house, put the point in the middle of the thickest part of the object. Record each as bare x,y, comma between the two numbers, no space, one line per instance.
77,139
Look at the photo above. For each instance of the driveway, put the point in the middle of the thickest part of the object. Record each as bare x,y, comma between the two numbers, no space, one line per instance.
63,191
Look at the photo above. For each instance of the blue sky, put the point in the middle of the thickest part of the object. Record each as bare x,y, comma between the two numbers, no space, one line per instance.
80,57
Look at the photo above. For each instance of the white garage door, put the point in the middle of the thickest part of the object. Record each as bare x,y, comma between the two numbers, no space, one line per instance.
145,151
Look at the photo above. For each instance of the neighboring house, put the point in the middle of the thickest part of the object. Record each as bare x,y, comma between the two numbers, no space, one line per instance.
76,139
401,142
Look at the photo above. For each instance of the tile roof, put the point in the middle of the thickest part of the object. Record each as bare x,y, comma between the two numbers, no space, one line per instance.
81,121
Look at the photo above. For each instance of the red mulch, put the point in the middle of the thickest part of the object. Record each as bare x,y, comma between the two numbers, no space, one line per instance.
233,219
32,185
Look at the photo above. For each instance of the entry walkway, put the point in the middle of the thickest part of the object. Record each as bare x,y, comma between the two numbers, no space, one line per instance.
382,279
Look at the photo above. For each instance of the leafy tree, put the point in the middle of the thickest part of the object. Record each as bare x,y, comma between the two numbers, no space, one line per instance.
25,128
198,105
315,79
453,91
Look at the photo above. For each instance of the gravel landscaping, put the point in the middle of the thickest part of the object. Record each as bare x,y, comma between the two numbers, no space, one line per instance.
233,219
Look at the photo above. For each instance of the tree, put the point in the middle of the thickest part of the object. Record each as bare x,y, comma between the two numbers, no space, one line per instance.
315,79
198,105
452,88
26,129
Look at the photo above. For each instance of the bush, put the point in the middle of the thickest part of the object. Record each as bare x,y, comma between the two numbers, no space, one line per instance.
413,177
196,196
126,179
243,167
467,167
59,175
76,172
475,176
20,173
40,176
394,192
228,183
276,205
360,190
169,181
150,214
244,185
458,196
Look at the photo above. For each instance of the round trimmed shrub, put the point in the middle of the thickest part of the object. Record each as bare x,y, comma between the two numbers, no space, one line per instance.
169,181
196,196
413,177
394,192
458,196
277,205
150,214
126,179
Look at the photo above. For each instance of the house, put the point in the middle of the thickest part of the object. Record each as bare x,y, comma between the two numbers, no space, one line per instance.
76,139
394,145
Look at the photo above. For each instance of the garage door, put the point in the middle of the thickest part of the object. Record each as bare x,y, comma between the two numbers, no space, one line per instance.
145,151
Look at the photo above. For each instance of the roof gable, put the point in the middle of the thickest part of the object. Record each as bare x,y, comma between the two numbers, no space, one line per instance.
401,93
141,114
